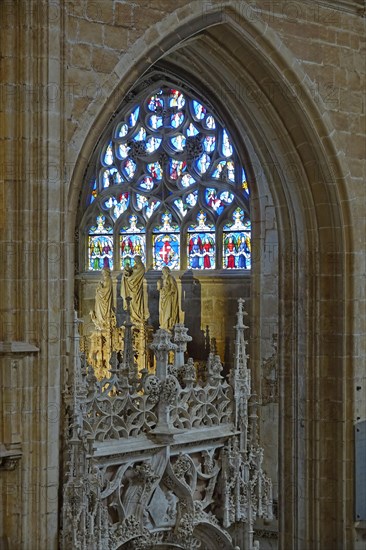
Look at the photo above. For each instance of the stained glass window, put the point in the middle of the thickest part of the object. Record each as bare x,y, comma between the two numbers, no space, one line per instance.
100,245
237,242
132,242
201,244
166,163
166,245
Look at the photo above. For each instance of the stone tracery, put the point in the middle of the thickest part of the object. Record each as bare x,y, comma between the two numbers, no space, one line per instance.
152,456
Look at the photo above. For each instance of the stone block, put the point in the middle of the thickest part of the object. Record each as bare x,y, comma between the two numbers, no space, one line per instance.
104,60
81,55
123,14
115,38
89,32
101,10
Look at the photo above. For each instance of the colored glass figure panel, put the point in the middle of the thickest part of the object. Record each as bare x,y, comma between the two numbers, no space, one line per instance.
218,201
199,111
225,170
210,122
131,246
122,130
155,170
100,252
108,156
166,224
178,142
129,168
132,119
117,205
156,102
176,168
151,207
101,226
209,144
152,144
203,163
176,119
146,183
111,177
141,134
141,201
237,250
190,200
155,122
227,148
192,130
166,251
239,223
123,150
176,99
201,251
187,180
244,183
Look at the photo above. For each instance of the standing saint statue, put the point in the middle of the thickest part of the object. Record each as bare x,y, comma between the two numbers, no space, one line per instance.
103,316
168,302
132,286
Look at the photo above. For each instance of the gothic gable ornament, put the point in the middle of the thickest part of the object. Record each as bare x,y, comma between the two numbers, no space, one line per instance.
163,460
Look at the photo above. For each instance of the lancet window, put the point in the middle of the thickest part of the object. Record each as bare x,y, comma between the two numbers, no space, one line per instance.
167,184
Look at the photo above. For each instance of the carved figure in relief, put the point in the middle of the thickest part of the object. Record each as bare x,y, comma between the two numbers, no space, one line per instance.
132,286
168,301
103,316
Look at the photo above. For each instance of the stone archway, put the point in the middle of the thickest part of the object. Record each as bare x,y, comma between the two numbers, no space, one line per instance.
305,177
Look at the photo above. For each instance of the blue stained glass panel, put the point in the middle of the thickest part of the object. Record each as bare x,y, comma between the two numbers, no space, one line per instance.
151,207
166,251
94,192
237,250
108,155
156,102
210,122
155,170
201,251
129,168
187,180
146,183
123,150
117,205
178,142
209,143
111,177
131,246
224,170
203,163
176,168
141,134
155,122
122,131
152,144
141,201
227,148
176,119
199,111
100,252
132,119
176,99
192,130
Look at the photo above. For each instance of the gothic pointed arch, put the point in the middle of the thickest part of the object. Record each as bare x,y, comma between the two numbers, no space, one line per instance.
295,154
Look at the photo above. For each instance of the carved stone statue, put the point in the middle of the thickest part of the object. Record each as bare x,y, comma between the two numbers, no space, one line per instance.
103,316
168,302
132,286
